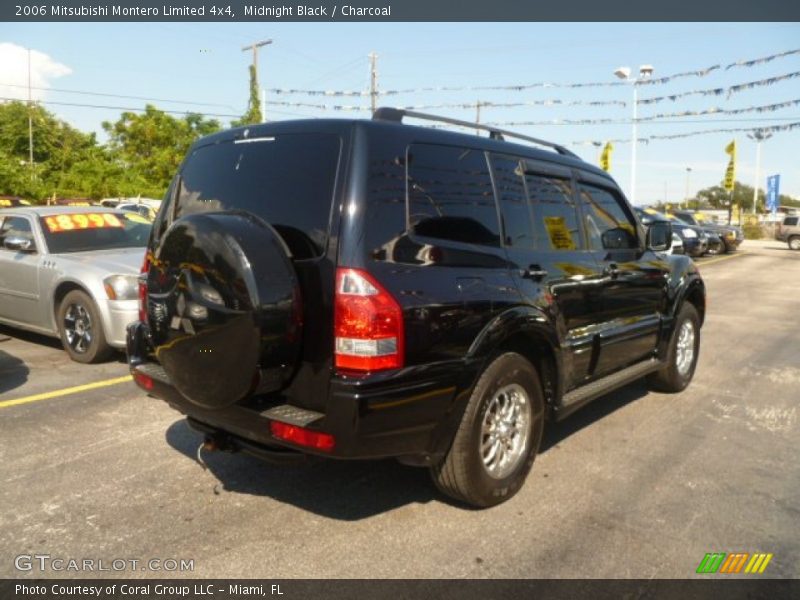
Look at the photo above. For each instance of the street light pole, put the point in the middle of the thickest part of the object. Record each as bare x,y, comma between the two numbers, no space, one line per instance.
688,172
634,143
759,136
624,73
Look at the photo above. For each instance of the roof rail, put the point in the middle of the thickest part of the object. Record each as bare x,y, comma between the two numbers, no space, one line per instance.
397,114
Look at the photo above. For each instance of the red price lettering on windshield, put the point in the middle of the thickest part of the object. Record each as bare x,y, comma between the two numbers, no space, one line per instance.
71,222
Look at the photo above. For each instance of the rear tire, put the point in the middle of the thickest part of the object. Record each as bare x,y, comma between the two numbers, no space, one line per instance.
684,350
499,435
794,242
81,329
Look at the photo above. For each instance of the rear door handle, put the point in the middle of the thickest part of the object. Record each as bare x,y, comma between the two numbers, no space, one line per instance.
534,272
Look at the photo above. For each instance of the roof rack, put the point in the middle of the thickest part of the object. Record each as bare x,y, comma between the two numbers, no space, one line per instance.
397,114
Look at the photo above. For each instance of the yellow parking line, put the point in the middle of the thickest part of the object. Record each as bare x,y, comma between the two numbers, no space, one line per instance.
64,391
721,258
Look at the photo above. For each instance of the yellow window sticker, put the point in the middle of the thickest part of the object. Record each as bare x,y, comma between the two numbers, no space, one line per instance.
560,236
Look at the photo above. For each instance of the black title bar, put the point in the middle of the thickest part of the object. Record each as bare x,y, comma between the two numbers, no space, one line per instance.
398,10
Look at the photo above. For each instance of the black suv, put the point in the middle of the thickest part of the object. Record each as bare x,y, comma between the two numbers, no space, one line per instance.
730,235
370,289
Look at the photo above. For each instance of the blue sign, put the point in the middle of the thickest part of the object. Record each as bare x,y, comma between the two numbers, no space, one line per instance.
773,185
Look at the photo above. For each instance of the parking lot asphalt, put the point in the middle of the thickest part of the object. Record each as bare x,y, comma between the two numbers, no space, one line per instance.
638,484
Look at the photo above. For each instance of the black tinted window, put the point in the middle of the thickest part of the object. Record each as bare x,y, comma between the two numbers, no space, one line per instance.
287,180
385,218
514,210
79,232
608,225
555,220
450,195
790,221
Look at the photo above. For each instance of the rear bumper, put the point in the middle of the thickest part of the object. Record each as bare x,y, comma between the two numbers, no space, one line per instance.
408,413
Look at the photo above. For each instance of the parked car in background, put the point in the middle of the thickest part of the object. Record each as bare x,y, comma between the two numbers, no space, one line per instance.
730,235
694,239
677,245
71,272
148,212
8,201
789,231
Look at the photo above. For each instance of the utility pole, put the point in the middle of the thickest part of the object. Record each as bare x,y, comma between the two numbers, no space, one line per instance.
30,117
254,47
373,81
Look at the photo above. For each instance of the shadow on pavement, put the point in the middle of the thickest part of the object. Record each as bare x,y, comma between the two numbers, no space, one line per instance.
353,490
337,489
555,433
46,340
28,336
13,372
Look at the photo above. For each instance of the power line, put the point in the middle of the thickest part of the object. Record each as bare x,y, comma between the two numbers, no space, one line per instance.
136,109
108,95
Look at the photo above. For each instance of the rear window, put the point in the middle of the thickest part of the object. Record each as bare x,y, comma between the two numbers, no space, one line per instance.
80,232
287,180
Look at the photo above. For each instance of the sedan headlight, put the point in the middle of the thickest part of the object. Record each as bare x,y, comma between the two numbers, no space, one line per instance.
689,233
121,287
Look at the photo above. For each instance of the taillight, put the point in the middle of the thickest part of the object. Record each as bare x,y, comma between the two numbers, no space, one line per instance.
143,381
143,288
368,324
302,436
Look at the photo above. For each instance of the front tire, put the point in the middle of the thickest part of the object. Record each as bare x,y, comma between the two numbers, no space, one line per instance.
499,435
794,242
682,355
81,329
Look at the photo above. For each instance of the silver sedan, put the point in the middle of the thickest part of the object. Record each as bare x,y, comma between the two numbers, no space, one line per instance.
71,272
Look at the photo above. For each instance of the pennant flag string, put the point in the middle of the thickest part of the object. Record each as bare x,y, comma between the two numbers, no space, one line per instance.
521,87
761,61
720,91
763,129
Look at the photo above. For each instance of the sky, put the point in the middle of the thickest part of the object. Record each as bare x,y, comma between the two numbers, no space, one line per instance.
201,67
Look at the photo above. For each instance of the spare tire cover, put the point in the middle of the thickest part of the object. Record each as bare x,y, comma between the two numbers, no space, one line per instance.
224,307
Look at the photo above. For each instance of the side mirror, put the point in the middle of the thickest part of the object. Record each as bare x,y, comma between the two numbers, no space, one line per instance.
19,244
659,236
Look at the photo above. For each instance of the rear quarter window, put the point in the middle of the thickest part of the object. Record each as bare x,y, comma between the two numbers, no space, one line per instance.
450,195
288,180
791,221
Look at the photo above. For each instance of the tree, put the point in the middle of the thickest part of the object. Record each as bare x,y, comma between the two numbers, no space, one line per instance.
149,147
253,114
57,147
718,197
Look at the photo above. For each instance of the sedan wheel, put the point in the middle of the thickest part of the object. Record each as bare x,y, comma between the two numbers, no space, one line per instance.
81,329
